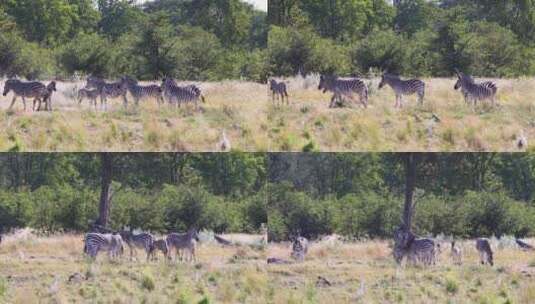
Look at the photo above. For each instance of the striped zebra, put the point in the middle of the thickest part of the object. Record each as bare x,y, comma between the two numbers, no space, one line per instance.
299,248
160,245
23,89
108,90
143,241
177,94
95,242
417,251
143,92
184,242
456,254
279,91
403,87
45,97
88,94
473,91
485,252
344,87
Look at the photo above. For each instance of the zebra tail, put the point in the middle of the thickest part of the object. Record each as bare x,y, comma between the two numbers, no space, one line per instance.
203,99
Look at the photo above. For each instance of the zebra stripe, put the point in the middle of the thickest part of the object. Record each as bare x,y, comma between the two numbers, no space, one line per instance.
485,252
278,90
95,242
344,87
473,91
23,89
299,248
143,240
111,90
143,92
416,250
178,94
183,242
403,87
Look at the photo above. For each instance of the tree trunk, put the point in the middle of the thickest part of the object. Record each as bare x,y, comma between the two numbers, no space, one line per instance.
105,190
410,181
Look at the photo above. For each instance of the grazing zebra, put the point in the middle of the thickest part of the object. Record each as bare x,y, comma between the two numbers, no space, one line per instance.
23,89
88,94
143,92
178,94
160,245
472,91
403,87
278,90
95,242
111,90
344,87
143,240
485,252
46,97
299,248
417,250
184,242
456,254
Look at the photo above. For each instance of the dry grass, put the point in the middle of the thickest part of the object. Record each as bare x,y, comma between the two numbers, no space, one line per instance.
366,273
37,269
309,124
240,108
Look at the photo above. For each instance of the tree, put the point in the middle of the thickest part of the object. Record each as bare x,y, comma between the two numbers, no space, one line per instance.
106,160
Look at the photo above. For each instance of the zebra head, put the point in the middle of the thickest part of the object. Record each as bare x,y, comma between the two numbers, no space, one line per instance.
462,80
94,82
326,82
9,85
51,86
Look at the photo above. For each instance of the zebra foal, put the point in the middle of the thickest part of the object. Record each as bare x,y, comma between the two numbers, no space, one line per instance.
186,242
24,90
299,248
474,92
278,91
143,241
344,87
91,95
46,97
160,245
95,242
403,87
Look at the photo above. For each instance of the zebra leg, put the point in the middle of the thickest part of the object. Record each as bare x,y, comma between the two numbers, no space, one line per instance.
13,101
125,101
24,102
34,102
333,100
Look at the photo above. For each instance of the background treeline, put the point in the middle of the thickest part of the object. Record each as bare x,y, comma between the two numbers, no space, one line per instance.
409,37
194,40
156,192
362,195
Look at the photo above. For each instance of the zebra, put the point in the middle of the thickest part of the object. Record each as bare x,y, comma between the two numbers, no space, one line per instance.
344,87
23,89
46,97
111,90
178,94
456,254
88,94
143,92
485,252
95,242
299,248
184,242
161,245
403,87
416,250
473,91
143,240
279,91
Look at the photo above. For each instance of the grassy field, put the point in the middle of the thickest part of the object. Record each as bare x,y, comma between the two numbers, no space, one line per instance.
238,108
253,123
53,270
309,124
366,273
